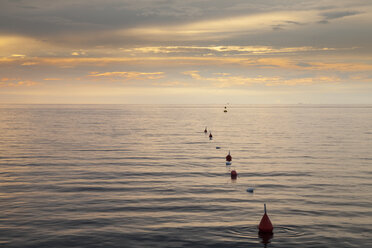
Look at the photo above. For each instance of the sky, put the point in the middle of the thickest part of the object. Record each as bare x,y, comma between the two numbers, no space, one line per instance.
186,52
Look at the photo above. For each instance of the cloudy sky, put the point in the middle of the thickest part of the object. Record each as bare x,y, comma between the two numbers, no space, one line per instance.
186,51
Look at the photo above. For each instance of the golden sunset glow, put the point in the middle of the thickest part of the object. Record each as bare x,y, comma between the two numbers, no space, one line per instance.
239,47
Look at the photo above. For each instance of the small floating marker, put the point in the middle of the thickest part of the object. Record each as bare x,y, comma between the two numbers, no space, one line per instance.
228,163
210,135
228,157
234,174
265,224
205,130
218,147
225,110
250,190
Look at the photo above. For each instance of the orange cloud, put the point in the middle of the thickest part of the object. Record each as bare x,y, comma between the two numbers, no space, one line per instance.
277,63
304,81
29,63
5,82
215,50
126,75
18,55
171,84
362,78
225,80
287,63
193,74
52,79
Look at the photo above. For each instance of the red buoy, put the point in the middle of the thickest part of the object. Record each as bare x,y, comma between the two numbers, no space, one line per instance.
234,174
228,157
265,224
210,135
205,130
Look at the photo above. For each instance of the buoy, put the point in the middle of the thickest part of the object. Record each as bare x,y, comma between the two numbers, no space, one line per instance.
228,157
228,163
250,190
265,224
234,174
218,147
210,135
205,130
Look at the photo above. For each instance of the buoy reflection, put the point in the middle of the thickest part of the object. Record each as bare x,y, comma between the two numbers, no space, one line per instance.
265,237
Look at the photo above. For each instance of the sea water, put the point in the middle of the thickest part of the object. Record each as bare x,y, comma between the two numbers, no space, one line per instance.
148,175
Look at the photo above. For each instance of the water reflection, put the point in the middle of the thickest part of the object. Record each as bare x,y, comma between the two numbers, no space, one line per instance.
82,175
265,238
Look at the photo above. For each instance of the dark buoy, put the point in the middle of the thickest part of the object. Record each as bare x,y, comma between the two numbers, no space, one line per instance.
225,110
234,174
228,157
265,224
250,190
210,135
205,130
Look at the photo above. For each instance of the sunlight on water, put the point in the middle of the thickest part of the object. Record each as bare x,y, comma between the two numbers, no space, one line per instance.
141,176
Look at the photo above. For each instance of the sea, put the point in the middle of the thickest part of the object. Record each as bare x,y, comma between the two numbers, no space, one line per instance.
148,175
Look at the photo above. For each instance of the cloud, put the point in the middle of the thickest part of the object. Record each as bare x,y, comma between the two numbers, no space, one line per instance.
29,63
305,81
78,53
279,62
52,79
193,74
123,23
14,82
18,55
171,84
223,27
227,80
224,50
333,15
366,78
287,63
20,46
339,14
36,17
125,75
341,67
198,44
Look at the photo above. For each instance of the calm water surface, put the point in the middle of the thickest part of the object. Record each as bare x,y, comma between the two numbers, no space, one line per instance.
147,176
